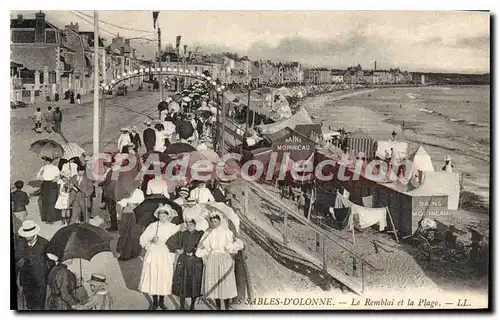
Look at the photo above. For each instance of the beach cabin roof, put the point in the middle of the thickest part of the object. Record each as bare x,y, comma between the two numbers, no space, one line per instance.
421,160
301,117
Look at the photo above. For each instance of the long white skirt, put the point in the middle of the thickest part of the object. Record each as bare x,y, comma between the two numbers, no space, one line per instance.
219,281
157,271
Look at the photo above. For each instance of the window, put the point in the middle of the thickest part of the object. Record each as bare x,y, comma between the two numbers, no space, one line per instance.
70,56
52,77
50,36
25,36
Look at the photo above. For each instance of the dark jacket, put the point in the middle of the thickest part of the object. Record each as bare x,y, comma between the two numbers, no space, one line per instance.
19,200
149,137
32,263
136,139
57,116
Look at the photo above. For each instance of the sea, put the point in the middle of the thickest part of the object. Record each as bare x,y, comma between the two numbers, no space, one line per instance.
445,120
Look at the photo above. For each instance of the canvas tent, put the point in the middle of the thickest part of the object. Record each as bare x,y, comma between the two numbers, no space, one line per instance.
301,117
440,183
421,160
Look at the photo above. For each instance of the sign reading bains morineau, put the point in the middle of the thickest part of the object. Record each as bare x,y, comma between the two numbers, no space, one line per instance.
298,146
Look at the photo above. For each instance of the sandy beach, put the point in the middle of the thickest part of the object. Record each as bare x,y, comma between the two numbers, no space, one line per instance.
445,120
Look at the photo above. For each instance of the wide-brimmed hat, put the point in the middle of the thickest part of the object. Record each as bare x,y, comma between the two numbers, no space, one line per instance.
124,130
52,256
184,191
147,123
28,229
165,208
97,279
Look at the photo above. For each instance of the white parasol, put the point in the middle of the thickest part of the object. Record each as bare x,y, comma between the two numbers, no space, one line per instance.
72,150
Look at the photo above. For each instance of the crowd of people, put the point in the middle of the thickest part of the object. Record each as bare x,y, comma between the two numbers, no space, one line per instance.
185,254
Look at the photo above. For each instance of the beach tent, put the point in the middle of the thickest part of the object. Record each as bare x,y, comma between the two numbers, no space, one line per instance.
400,147
421,160
301,117
361,142
440,183
285,92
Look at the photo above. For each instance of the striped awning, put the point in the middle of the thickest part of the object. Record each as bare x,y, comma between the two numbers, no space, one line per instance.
359,144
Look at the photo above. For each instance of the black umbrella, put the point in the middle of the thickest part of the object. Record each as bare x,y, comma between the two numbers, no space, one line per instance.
162,106
79,240
144,212
47,148
162,157
179,147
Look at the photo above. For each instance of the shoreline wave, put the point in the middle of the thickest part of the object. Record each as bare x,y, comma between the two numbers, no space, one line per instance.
470,123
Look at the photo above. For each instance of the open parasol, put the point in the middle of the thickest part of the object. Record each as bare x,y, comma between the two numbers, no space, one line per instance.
72,150
79,241
179,147
163,105
144,212
47,148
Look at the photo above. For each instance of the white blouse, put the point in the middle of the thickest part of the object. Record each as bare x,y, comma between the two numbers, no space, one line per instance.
158,186
219,240
201,195
48,172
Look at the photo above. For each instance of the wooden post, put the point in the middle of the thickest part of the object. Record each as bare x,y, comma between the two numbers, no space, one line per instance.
392,223
323,252
362,277
354,268
310,205
246,199
247,118
285,229
95,121
317,242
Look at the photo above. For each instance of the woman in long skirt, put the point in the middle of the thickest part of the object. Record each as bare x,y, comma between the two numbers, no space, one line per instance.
49,192
128,245
216,247
158,266
189,268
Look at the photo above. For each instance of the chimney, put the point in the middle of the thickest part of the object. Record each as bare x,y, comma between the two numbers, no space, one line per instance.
40,27
375,67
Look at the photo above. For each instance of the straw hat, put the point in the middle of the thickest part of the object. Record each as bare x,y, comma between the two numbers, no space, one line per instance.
28,229
97,280
147,123
52,256
167,209
184,191
124,130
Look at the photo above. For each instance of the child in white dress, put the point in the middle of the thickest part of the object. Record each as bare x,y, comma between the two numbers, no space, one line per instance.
62,202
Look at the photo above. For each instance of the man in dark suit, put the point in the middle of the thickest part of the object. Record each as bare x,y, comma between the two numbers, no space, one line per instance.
135,138
149,137
81,189
220,192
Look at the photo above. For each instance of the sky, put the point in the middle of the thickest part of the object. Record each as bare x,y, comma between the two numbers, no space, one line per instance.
427,41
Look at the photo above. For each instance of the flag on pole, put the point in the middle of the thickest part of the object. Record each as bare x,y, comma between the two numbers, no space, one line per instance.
155,18
177,43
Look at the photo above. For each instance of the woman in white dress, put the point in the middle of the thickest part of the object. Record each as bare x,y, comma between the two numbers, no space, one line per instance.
62,202
216,247
158,266
201,194
124,139
160,139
